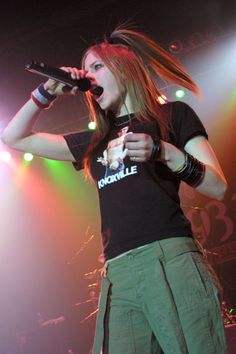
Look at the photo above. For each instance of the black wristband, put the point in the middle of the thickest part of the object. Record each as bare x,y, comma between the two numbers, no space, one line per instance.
192,172
46,94
156,149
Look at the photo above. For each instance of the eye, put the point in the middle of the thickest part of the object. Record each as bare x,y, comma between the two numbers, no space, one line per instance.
97,66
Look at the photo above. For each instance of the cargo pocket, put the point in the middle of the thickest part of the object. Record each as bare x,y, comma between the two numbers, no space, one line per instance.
189,280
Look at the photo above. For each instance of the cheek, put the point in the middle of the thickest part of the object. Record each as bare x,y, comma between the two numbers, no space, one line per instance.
111,81
115,88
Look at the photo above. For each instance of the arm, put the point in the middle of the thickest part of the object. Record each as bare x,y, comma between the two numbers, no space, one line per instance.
19,132
19,135
214,183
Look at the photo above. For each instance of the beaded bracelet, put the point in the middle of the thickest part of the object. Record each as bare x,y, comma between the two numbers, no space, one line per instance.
192,172
156,149
42,98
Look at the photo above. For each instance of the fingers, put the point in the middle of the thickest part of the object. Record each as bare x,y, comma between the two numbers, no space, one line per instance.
78,74
139,156
58,88
137,159
54,87
138,141
136,156
136,145
136,137
139,146
75,73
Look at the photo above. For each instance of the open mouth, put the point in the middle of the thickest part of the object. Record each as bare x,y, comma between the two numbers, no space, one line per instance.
96,91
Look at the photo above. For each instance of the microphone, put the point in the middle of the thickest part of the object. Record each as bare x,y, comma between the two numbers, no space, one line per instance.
57,74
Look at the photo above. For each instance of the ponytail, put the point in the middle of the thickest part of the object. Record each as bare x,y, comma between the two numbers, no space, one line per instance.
156,59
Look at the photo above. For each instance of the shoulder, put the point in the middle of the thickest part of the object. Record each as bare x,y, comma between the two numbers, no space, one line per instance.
178,109
78,138
184,122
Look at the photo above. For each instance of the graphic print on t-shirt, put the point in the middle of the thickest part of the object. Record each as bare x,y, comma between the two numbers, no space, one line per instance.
113,160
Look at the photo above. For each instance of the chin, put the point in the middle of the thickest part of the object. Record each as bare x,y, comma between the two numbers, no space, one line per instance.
104,106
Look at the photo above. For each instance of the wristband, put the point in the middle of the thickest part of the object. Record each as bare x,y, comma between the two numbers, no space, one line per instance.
192,172
156,149
42,98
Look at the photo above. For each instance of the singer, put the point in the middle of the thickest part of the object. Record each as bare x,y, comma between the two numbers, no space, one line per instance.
158,293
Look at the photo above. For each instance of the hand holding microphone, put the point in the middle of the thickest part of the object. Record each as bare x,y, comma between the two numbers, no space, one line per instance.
62,75
65,79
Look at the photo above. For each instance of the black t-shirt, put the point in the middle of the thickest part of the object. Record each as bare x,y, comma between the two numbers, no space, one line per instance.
139,202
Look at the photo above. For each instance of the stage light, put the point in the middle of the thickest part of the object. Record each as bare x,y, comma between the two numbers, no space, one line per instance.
176,46
92,126
28,157
180,93
5,156
162,99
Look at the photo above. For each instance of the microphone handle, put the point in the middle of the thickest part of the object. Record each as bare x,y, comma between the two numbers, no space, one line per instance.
58,75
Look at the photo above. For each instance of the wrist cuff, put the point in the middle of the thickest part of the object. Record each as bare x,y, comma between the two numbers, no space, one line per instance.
156,149
42,98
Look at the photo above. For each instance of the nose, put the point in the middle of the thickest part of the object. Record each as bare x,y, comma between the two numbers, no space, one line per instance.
92,78
89,75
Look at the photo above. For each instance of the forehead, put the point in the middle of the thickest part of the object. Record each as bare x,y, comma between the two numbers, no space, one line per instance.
90,58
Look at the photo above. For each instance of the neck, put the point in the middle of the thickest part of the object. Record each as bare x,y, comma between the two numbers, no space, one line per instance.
125,108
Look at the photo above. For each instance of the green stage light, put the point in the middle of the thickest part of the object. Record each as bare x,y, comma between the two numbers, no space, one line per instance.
92,126
180,93
28,157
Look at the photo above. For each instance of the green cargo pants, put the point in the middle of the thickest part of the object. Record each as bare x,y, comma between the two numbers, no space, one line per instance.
160,298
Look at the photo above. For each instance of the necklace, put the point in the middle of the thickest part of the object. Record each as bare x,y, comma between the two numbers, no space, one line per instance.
123,120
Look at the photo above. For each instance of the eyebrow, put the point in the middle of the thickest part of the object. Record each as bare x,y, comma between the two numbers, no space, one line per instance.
92,64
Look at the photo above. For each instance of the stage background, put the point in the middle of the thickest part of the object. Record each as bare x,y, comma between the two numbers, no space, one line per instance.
49,226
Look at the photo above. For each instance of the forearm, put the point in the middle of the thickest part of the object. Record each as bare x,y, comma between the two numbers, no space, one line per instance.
21,126
22,123
213,183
